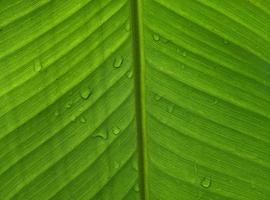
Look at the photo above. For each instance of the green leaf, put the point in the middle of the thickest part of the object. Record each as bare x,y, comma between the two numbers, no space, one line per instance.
135,99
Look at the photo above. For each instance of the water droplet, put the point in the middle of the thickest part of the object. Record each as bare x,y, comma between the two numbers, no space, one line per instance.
183,66
130,74
85,93
68,104
56,113
206,182
157,97
73,118
135,164
116,130
170,108
165,41
225,42
136,188
101,134
127,27
118,61
184,53
83,119
37,65
156,37
116,165
214,102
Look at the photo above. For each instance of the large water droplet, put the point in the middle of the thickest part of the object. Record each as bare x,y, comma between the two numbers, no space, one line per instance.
206,182
85,93
118,61
37,65
116,130
101,134
156,37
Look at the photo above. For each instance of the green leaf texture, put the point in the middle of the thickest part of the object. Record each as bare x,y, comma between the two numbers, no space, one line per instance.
135,99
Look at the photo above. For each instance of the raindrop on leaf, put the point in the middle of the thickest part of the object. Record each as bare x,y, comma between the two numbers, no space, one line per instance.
118,61
156,37
101,134
37,65
85,93
116,130
206,182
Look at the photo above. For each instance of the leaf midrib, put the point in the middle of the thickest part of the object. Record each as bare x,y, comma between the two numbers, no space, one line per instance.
139,79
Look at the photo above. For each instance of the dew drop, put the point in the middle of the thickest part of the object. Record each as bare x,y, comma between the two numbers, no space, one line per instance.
184,53
85,93
157,97
170,108
37,65
101,134
206,182
225,42
73,118
116,130
156,37
68,104
127,27
130,74
136,188
183,66
56,113
116,165
83,119
118,61
214,102
135,164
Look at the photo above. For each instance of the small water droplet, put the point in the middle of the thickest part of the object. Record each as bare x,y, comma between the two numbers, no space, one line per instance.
101,134
184,53
157,97
116,165
130,74
165,41
136,188
73,118
170,108
206,182
68,104
135,164
127,26
56,113
225,42
116,130
156,37
37,65
183,66
214,102
118,61
85,93
83,119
